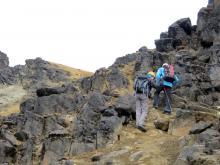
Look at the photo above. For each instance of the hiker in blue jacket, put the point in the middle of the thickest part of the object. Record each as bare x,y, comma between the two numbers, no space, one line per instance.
164,85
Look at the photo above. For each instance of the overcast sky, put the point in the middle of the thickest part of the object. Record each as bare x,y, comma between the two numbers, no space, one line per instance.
86,34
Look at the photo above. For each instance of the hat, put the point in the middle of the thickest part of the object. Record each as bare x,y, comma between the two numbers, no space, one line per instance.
165,65
151,73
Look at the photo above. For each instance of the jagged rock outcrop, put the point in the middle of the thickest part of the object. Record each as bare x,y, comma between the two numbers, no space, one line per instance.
208,26
180,34
34,74
58,122
4,62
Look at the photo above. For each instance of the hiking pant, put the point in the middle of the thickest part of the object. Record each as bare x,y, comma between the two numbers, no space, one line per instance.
167,95
141,109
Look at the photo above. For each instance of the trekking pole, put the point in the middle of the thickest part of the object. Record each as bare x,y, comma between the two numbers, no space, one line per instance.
96,141
164,89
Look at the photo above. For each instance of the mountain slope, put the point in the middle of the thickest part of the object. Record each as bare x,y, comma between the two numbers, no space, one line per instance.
74,73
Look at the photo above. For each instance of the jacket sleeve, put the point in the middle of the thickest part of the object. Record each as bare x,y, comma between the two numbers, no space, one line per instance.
159,75
176,80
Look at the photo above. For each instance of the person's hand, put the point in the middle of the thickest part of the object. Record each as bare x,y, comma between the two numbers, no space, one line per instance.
134,94
149,96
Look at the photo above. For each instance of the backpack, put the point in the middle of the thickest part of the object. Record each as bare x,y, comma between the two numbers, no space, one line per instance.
141,84
169,74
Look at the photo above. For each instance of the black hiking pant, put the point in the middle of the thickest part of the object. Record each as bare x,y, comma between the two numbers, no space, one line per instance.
167,95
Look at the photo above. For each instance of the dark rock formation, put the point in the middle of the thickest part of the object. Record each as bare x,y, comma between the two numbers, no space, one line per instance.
200,127
180,34
59,122
4,62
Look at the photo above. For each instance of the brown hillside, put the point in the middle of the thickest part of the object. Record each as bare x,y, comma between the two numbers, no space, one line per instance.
73,72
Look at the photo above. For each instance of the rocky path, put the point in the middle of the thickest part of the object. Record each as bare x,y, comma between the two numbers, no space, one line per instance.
155,147
10,97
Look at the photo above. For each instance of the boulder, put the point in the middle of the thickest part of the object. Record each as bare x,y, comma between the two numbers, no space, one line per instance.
200,127
164,44
207,26
162,124
7,152
21,135
125,105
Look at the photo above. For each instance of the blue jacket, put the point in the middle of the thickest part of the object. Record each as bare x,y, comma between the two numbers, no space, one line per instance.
159,78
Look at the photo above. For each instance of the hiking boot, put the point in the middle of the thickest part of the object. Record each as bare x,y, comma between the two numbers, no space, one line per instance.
167,112
141,128
156,107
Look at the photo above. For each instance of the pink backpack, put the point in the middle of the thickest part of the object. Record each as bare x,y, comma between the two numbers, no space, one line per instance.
169,74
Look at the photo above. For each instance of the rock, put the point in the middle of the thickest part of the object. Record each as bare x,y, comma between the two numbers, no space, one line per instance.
58,133
183,123
164,44
7,76
128,58
136,156
109,128
6,135
21,136
215,76
207,135
69,162
187,154
28,105
56,148
4,62
185,24
125,105
64,103
212,145
143,63
207,21
183,113
204,59
105,79
114,154
8,152
109,113
47,92
78,148
39,72
178,33
34,125
96,157
200,127
162,124
26,152
163,35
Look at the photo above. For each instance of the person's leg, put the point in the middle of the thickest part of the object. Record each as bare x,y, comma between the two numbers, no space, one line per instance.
156,96
138,109
167,93
143,109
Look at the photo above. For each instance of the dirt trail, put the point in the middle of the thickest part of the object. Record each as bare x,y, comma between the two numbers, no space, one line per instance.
10,97
155,147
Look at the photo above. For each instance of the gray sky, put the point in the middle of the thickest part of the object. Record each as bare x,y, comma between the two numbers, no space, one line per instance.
86,34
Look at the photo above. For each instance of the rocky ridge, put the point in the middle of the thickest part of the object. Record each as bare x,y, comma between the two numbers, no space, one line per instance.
62,119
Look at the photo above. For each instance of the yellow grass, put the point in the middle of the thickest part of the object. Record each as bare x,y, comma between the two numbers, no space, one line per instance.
6,111
74,73
128,71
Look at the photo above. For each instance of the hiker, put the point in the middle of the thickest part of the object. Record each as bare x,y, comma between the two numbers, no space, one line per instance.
165,80
142,87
